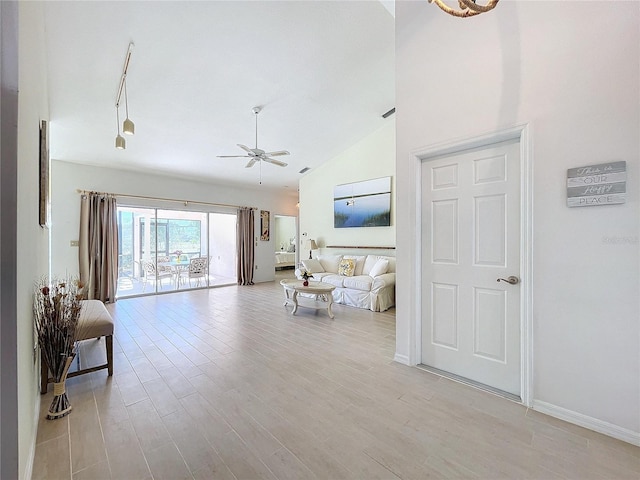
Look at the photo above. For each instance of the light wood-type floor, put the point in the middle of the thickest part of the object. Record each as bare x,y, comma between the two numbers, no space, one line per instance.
227,384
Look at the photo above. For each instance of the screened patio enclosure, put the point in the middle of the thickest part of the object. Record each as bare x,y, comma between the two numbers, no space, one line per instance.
171,250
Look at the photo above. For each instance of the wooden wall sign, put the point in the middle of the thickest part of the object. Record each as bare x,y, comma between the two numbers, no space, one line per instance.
603,184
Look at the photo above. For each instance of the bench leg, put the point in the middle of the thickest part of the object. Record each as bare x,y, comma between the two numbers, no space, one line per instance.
109,345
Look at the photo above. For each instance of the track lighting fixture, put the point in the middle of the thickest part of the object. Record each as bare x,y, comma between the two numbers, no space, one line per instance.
128,126
120,142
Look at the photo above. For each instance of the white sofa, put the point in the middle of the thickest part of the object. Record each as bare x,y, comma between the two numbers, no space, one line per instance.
372,284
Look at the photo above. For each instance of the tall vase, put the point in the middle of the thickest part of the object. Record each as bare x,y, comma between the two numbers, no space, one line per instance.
60,405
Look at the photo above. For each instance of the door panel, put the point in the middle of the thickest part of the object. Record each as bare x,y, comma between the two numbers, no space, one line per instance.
445,315
445,237
471,237
490,228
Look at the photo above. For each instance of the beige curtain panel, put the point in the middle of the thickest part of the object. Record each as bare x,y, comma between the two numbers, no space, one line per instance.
99,246
245,249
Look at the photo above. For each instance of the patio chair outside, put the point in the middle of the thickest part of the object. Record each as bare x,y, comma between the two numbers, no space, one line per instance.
198,267
151,273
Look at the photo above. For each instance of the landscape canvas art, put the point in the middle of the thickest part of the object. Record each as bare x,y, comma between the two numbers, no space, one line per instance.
362,204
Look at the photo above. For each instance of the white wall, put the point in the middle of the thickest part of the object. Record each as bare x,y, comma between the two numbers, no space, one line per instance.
32,240
571,71
373,157
67,177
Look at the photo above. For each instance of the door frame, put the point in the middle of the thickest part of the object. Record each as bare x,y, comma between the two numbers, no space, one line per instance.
522,134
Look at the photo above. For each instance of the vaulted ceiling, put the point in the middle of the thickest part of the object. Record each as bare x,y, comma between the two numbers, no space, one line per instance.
323,71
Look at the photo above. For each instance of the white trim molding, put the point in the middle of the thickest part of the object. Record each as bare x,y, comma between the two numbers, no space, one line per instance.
586,421
404,359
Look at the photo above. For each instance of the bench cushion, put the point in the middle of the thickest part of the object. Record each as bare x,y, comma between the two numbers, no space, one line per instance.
95,321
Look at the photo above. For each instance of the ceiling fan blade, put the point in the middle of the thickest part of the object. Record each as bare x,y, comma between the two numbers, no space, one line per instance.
278,153
251,163
232,156
274,161
245,148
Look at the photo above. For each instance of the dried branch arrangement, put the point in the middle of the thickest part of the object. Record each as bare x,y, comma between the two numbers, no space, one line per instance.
56,306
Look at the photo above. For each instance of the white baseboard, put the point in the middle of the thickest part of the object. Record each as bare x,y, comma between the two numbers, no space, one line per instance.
404,359
28,473
585,421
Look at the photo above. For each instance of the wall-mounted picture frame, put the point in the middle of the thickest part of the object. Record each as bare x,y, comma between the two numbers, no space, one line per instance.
362,204
264,225
44,182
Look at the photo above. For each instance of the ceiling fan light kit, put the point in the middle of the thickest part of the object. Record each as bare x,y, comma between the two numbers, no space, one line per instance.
128,127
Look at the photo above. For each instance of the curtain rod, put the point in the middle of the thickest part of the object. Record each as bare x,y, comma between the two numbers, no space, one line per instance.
185,202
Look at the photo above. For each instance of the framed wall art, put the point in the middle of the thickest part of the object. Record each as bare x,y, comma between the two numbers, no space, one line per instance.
362,204
44,183
264,225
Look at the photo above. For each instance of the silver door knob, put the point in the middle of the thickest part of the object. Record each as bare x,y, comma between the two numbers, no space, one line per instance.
512,280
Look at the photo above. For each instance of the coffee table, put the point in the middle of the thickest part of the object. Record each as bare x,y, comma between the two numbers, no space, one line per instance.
319,295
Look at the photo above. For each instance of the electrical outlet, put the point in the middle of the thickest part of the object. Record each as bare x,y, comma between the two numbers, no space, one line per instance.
256,267
74,243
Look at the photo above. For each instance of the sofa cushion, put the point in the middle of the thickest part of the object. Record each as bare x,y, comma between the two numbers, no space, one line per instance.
381,266
360,282
312,265
330,263
318,276
359,259
347,267
334,279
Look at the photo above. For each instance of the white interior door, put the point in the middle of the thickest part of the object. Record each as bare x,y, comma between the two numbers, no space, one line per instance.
470,239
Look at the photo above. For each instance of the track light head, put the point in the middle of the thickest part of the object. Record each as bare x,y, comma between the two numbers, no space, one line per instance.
128,127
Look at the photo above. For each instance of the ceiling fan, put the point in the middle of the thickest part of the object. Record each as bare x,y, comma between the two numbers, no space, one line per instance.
256,154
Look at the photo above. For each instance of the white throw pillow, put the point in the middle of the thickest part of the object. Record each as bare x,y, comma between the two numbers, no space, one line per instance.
330,263
369,262
381,266
312,266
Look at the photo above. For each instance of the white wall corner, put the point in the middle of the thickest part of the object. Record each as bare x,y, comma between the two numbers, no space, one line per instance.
586,421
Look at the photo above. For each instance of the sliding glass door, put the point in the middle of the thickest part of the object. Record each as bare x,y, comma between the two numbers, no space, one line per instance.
172,250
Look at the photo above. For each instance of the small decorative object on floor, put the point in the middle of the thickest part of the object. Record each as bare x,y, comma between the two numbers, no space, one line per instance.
56,309
306,276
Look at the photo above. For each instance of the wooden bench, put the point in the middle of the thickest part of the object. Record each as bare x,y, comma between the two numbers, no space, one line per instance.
94,322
